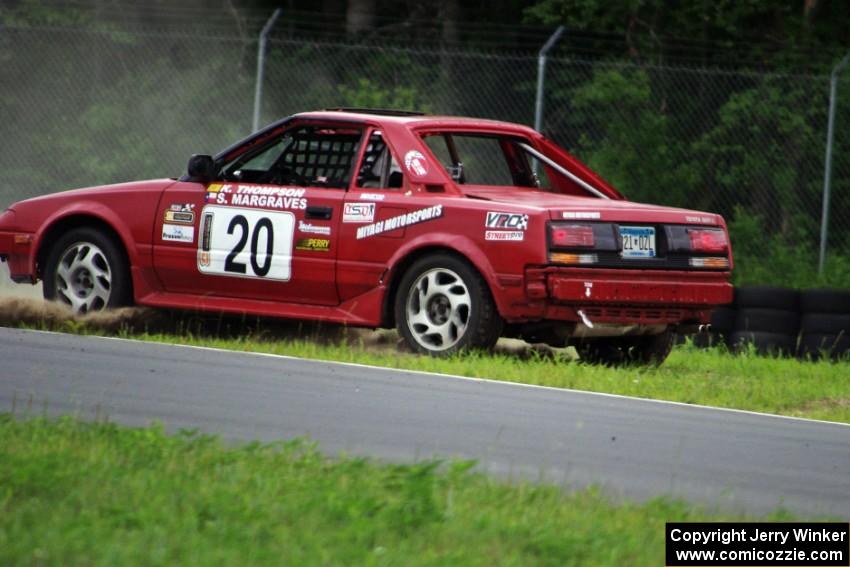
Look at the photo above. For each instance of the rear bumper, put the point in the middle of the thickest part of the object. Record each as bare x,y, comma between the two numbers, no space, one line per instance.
624,296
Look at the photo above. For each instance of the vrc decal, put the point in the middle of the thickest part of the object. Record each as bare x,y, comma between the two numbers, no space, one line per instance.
506,220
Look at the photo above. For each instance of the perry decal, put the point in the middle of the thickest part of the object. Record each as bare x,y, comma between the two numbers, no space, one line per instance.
400,221
314,244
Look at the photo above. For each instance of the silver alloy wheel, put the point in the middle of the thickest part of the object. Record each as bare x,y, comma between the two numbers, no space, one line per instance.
438,308
84,278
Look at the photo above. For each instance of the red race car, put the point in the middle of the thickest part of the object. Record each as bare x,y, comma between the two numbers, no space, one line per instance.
454,230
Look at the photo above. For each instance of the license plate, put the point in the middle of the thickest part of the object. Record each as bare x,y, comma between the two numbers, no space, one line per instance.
638,241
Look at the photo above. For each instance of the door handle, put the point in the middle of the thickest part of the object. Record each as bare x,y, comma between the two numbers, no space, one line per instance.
322,213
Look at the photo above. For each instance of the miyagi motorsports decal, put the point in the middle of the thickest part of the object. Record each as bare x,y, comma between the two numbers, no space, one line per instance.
506,220
580,215
416,163
504,235
313,244
259,196
400,221
358,212
313,228
178,233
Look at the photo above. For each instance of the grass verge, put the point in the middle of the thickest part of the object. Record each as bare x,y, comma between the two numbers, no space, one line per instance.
74,493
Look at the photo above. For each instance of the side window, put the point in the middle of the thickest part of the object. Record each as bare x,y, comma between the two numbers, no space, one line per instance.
302,156
379,169
483,160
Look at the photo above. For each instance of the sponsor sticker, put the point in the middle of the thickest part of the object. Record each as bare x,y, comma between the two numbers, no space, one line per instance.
313,244
358,212
506,220
313,228
416,163
182,217
372,196
504,235
400,221
580,215
702,220
257,196
178,233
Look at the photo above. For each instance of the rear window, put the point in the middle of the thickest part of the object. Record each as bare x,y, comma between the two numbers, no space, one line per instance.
476,159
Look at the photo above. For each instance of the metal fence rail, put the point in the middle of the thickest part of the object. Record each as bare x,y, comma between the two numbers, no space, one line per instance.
81,106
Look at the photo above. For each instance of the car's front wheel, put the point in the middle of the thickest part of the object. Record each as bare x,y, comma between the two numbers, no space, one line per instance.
444,306
86,270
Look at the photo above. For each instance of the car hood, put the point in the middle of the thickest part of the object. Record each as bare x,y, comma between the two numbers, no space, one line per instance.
574,207
152,185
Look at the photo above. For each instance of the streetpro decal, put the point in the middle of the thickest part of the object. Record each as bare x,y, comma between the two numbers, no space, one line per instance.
504,235
416,163
259,196
358,212
400,221
178,233
506,220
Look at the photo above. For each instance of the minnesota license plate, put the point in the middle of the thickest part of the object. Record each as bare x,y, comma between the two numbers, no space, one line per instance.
638,241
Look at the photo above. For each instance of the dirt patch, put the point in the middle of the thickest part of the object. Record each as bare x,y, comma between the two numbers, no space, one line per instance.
32,312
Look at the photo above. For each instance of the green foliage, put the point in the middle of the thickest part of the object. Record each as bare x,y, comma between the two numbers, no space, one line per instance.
366,94
74,493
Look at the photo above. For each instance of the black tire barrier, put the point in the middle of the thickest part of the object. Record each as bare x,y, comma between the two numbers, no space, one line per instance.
723,320
768,320
818,345
766,343
825,323
825,301
767,297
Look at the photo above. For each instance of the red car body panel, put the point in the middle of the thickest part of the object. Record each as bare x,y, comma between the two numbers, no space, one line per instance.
343,270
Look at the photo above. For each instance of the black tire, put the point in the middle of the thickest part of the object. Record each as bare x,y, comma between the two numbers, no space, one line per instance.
825,323
825,301
769,320
723,320
766,343
816,345
619,351
88,271
477,325
767,297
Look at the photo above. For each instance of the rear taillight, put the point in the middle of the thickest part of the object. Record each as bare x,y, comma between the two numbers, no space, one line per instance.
708,240
572,236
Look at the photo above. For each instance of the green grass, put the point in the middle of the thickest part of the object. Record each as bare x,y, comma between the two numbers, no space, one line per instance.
74,493
817,390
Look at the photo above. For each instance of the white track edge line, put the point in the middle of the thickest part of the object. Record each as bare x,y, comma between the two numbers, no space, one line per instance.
455,377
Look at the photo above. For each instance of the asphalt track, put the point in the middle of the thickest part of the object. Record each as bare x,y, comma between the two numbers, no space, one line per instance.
634,449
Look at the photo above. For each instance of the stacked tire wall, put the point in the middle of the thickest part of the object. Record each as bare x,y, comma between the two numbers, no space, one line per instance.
811,323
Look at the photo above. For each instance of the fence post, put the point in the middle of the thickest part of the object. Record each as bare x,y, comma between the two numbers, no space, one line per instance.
541,76
261,64
827,174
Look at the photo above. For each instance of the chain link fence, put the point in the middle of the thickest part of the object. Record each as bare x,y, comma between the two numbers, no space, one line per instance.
82,106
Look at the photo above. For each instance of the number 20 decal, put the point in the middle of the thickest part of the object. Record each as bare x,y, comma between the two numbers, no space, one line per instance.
246,243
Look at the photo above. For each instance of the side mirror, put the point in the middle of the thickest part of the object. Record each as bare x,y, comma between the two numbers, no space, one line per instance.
201,168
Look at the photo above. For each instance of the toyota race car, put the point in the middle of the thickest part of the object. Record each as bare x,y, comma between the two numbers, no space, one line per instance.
454,230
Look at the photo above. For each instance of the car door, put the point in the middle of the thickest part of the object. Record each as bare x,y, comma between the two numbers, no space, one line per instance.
254,235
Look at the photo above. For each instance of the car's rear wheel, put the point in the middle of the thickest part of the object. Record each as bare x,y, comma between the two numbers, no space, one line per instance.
87,271
617,351
444,306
